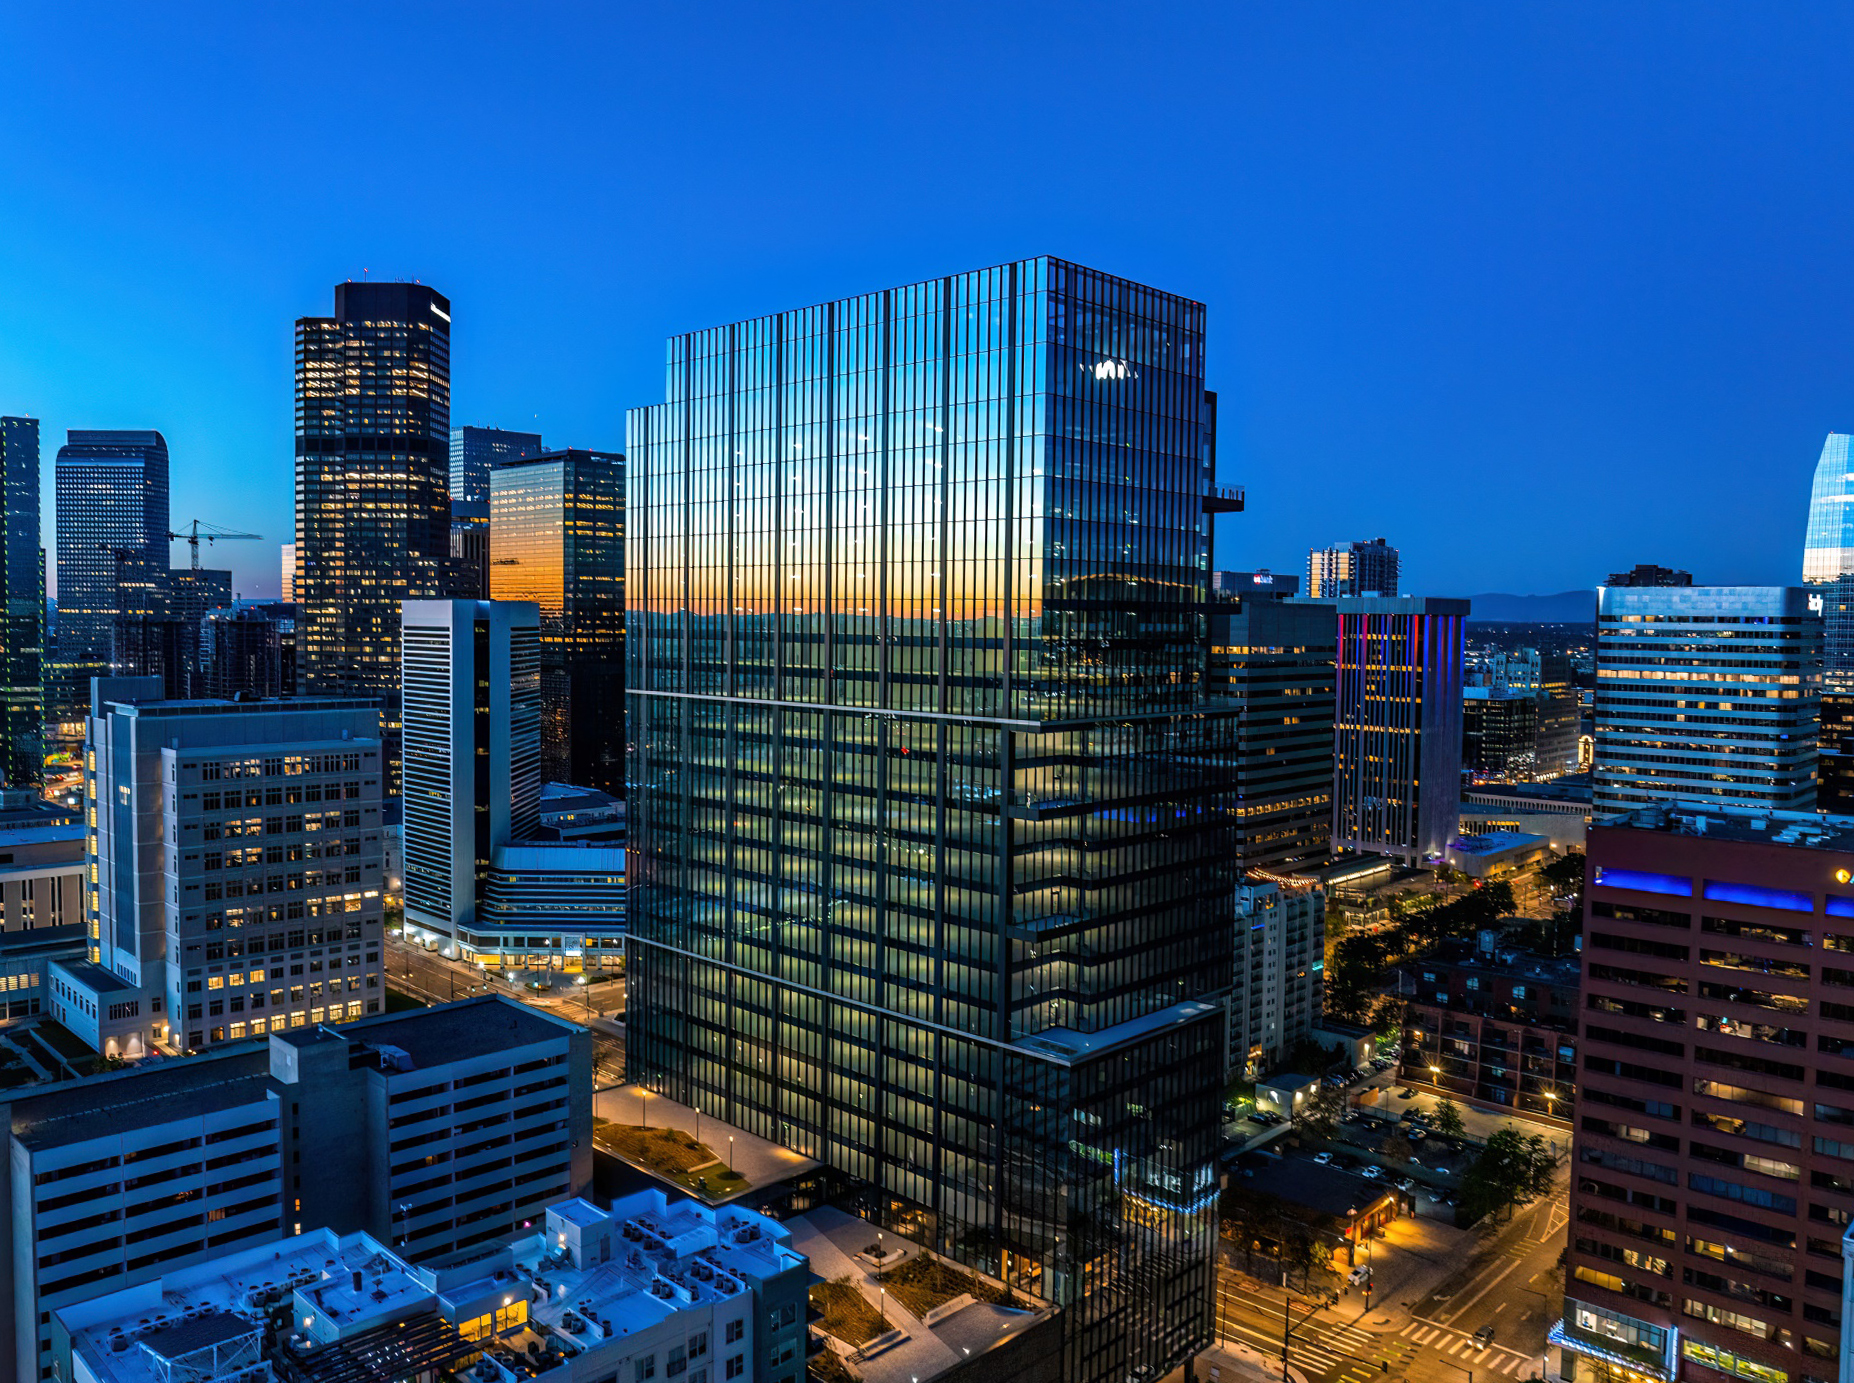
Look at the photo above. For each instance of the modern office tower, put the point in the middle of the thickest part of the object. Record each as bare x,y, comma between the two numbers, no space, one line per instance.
1494,1024
41,898
122,1178
1828,560
646,1290
1714,1154
557,527
1558,715
1499,733
193,592
936,881
1279,987
237,858
249,651
1352,569
22,607
1646,574
550,906
469,578
477,451
473,779
288,572
1274,659
1397,725
373,507
1834,774
112,551
1707,695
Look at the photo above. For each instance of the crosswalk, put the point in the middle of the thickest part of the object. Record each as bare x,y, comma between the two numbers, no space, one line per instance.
1317,1348
1453,1344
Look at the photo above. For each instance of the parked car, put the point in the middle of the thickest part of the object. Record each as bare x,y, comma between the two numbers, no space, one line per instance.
1405,1184
1417,1134
1372,1173
1323,1158
1362,1273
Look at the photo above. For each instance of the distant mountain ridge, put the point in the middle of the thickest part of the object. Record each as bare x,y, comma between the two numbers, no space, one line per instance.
1566,607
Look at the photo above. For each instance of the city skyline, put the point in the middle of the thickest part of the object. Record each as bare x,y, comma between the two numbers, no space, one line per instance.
1473,278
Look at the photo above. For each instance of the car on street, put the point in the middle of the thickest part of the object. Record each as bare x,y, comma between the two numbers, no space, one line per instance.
1323,1158
1418,1134
1405,1184
1362,1273
1371,1173
1484,1336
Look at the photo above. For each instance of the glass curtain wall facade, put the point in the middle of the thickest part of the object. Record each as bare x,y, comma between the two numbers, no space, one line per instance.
476,451
1828,560
112,552
931,870
557,529
1707,694
373,510
22,606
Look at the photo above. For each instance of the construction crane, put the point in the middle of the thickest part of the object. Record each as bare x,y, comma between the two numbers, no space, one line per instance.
198,529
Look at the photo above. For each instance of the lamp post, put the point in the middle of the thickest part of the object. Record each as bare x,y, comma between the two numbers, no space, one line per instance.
643,1105
586,991
730,1152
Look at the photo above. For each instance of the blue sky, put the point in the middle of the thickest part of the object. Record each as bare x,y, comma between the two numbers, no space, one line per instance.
1533,291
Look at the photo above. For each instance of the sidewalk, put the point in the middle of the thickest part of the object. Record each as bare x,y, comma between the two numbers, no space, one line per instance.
1415,1256
1234,1362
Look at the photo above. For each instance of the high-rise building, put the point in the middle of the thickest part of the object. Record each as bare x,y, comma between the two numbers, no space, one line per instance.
235,843
469,578
124,1177
1499,733
249,651
909,644
1352,569
1828,560
476,451
1397,725
1279,982
373,508
1647,574
112,551
1274,659
1834,774
22,607
1714,1153
287,573
1707,694
194,592
473,776
557,528
1525,725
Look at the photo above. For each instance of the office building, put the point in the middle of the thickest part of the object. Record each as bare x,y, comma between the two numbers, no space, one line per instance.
1398,725
1274,659
550,907
477,451
1276,997
249,651
1708,695
1352,569
647,1290
41,898
22,607
1828,561
237,858
112,504
903,650
1646,575
1499,733
121,1179
1714,1153
1834,774
1493,1024
1232,585
1519,716
373,508
469,579
557,526
194,592
288,572
472,699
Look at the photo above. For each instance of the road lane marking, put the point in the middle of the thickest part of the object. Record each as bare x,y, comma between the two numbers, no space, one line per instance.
1408,1328
1455,1348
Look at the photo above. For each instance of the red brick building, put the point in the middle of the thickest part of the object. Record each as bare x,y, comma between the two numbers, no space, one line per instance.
1714,1151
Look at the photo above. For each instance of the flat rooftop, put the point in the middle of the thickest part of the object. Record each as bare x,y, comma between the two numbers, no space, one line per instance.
1304,1182
1496,842
1807,830
459,1031
52,1116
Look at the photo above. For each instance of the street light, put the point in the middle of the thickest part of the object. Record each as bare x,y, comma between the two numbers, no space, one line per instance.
730,1152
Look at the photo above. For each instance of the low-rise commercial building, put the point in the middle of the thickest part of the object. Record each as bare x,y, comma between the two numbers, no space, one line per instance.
1497,854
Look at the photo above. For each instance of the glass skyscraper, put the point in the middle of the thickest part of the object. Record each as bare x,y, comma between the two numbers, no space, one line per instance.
930,852
373,511
112,502
1707,695
556,524
22,606
475,451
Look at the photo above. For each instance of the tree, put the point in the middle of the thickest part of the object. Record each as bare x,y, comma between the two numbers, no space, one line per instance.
1321,1110
1510,1169
1447,1118
1565,874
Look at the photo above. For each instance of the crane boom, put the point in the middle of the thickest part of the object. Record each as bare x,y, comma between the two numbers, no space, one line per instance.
198,529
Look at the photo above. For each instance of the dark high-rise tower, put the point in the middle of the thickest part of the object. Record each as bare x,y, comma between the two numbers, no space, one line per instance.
476,451
557,538
373,510
22,605
112,551
931,867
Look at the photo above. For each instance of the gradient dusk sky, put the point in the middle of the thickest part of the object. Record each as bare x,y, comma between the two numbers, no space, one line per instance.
1534,291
